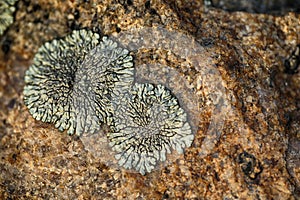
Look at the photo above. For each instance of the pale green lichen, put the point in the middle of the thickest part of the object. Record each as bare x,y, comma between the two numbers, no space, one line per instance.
111,69
105,68
81,81
49,90
7,10
71,80
149,124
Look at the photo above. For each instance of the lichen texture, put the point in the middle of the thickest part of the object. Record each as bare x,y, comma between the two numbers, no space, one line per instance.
6,14
110,69
149,124
70,81
80,82
50,81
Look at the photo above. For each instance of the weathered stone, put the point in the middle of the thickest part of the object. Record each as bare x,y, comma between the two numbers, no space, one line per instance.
241,55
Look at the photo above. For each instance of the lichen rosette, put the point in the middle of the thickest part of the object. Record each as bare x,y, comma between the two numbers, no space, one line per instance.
50,87
149,124
71,80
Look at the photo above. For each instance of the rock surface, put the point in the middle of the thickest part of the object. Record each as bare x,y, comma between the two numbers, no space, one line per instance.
248,103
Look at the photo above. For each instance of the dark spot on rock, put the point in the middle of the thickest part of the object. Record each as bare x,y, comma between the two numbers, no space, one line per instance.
46,15
76,14
11,189
207,42
250,165
217,176
118,29
44,149
26,3
73,25
292,63
147,5
167,171
126,3
129,2
6,45
36,7
14,156
153,11
165,195
11,104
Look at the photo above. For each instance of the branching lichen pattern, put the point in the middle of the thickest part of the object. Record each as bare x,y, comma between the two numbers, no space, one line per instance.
81,81
70,81
49,90
110,69
7,10
149,124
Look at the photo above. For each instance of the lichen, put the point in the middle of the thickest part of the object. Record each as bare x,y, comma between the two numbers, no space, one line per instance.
149,123
80,82
7,10
105,69
110,70
71,80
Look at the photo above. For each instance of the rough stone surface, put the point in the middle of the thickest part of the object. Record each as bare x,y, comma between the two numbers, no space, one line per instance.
251,127
262,6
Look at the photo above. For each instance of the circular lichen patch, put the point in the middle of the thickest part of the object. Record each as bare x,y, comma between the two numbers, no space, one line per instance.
71,80
50,80
149,124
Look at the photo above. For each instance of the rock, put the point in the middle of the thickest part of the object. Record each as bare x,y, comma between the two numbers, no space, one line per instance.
246,103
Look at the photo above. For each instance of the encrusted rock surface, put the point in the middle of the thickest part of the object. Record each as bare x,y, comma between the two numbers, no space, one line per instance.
247,143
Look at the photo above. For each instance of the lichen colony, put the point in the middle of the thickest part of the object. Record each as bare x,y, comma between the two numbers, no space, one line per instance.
6,14
149,123
50,80
107,67
81,81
